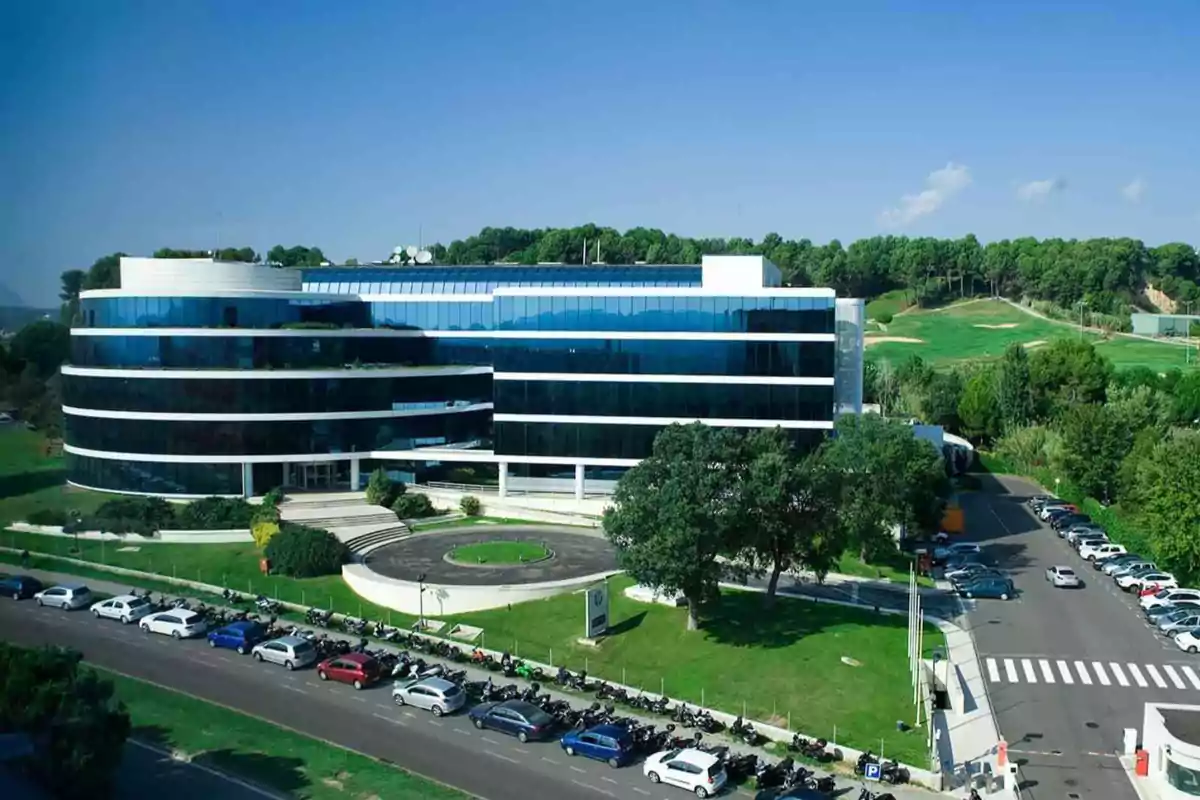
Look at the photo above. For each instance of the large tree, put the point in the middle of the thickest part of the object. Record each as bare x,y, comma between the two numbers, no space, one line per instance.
678,509
44,344
1168,496
1065,373
105,273
1014,391
979,407
297,256
791,506
77,728
1094,441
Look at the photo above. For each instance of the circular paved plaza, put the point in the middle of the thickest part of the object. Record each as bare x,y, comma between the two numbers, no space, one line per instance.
576,553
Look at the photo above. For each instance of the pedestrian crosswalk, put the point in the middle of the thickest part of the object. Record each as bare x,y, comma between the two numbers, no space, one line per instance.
1071,672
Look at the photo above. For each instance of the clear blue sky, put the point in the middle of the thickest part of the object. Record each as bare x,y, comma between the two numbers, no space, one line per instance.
134,125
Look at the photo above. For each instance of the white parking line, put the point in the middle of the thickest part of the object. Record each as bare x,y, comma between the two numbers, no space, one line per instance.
293,688
1137,675
439,723
580,770
549,760
461,731
640,791
1173,675
1065,672
358,699
392,720
1047,672
608,780
1194,679
593,788
1027,665
1010,670
1154,676
1101,675
502,758
993,670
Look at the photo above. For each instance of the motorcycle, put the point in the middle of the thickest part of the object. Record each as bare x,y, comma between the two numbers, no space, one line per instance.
867,794
744,731
267,605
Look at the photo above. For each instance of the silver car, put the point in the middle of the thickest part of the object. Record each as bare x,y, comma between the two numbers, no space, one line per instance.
67,596
291,652
1063,577
1183,619
436,695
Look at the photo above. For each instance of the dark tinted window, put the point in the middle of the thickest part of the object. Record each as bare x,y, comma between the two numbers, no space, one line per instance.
221,312
154,478
585,440
478,279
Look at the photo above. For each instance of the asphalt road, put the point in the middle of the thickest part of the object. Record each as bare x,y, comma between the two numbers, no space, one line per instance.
1049,656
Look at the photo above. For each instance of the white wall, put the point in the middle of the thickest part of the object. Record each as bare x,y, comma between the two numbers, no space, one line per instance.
1157,740
162,537
564,510
734,273
193,274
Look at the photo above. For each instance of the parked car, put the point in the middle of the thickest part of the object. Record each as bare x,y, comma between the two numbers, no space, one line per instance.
1092,551
1168,596
1188,641
127,608
699,772
610,743
1133,567
1088,538
290,652
1056,507
514,717
1038,500
1069,519
67,596
998,588
1179,620
436,695
1114,565
1136,583
958,548
240,636
1154,614
963,560
20,587
1077,531
971,572
357,669
1063,578
178,623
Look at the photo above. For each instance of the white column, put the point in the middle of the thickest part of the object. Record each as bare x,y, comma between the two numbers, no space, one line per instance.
579,481
286,478
354,475
502,472
247,479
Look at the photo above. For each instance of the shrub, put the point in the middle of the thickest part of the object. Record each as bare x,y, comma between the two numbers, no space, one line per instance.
263,531
470,505
143,515
413,506
302,552
274,497
215,514
382,490
884,319
48,516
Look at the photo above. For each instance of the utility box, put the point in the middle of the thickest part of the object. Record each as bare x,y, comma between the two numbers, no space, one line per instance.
264,565
1130,741
1141,763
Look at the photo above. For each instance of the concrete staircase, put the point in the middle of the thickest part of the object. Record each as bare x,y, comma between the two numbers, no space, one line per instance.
344,514
365,543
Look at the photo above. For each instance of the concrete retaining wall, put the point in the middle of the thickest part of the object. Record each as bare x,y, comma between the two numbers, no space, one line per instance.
162,537
562,510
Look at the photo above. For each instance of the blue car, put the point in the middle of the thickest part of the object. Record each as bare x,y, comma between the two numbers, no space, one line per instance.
240,636
998,588
514,717
610,743
19,587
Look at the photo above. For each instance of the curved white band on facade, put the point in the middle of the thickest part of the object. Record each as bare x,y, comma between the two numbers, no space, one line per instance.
274,374
663,291
566,419
148,494
423,454
268,294
593,377
652,336
318,416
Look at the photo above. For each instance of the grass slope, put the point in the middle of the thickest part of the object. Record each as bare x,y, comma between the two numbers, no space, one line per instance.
31,480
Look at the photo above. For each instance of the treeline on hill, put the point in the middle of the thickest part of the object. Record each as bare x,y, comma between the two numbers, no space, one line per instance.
29,380
1124,444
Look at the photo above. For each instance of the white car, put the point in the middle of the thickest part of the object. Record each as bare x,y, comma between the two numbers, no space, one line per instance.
1049,509
1063,578
1167,596
290,652
178,623
956,549
1188,641
699,772
127,608
1163,580
1090,552
1073,533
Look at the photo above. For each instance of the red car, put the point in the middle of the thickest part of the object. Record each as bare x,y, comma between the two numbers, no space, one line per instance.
356,669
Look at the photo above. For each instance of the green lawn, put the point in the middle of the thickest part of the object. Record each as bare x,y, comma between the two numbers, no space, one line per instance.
896,571
499,552
983,329
262,753
30,480
767,665
463,521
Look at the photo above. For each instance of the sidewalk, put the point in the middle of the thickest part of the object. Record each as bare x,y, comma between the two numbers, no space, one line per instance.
847,783
967,733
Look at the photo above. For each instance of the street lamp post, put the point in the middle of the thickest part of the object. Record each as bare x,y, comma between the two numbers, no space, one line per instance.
421,602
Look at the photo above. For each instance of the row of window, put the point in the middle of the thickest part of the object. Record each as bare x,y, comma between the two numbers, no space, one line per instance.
484,279
689,400
152,477
448,316
219,312
276,438
583,440
275,395
694,314
617,356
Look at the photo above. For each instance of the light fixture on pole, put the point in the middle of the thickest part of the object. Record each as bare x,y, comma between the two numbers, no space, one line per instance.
421,601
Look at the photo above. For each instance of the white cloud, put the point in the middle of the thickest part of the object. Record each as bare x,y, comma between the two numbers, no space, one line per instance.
1135,190
941,185
1036,191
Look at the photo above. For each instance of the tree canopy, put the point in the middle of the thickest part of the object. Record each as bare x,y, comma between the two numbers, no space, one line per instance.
297,256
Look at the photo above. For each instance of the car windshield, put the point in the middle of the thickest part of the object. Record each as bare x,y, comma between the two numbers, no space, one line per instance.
1176,615
303,649
451,691
1163,594
138,602
538,718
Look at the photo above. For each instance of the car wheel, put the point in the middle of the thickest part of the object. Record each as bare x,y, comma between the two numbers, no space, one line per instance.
321,674
40,603
437,711
258,657
1004,595
175,635
212,643
145,628
701,791
16,596
357,684
125,620
522,737
653,776
967,595
1192,649
614,763
241,649
289,666
569,750
398,699
96,614
478,723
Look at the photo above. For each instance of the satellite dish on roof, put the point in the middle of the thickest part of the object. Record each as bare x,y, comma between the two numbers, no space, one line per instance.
412,250
424,257
397,250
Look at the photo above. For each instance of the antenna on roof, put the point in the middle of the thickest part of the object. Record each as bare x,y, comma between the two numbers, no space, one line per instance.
410,255
424,257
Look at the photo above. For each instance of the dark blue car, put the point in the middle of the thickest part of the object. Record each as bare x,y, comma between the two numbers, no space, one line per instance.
998,588
19,587
610,743
240,636
514,717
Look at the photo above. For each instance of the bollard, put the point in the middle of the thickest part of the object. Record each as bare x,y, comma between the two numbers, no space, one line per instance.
551,661
702,705
662,687
789,721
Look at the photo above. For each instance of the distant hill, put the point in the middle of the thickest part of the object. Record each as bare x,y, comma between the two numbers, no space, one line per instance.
9,298
13,318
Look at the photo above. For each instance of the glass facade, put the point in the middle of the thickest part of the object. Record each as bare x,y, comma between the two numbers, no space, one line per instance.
184,438
665,357
484,279
688,400
218,312
690,314
1184,779
582,440
275,395
151,477
448,316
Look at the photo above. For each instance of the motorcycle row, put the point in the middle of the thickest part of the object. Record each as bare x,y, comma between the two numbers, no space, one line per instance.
784,775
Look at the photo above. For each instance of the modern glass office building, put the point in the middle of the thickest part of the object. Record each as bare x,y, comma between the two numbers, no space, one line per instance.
200,377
